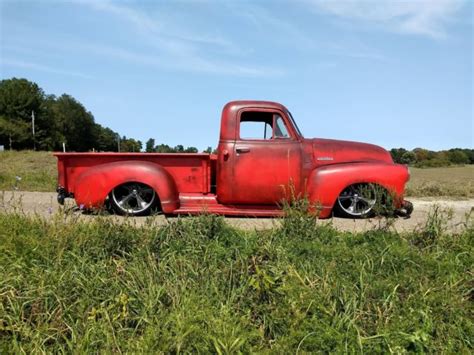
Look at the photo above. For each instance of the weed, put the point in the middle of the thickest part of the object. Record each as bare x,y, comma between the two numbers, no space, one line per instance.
434,228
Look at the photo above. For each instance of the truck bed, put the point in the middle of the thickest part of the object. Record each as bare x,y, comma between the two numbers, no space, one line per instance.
192,172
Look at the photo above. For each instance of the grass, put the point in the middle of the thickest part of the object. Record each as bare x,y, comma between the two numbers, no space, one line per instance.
198,285
38,173
455,181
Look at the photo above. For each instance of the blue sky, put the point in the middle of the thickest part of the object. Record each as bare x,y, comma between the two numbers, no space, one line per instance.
393,73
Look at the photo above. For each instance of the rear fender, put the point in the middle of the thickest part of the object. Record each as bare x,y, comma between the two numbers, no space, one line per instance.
94,184
326,183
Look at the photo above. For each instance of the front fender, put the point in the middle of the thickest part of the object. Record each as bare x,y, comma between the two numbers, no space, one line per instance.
94,184
325,183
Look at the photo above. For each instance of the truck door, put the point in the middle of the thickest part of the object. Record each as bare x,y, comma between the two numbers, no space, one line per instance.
266,158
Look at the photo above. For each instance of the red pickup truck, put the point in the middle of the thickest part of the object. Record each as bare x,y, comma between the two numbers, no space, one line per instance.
262,159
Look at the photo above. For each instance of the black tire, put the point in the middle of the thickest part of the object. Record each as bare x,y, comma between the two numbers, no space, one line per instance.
133,199
357,201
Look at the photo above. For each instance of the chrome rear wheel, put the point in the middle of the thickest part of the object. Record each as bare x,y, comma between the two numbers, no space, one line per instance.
133,198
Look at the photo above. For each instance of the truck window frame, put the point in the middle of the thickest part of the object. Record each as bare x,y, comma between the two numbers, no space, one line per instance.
286,121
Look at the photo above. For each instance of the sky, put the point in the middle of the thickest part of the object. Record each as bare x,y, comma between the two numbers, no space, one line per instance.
392,73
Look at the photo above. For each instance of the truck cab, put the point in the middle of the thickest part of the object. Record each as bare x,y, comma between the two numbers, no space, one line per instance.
260,154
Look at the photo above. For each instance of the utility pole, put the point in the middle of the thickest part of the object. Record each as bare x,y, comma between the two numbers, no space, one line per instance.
33,128
118,142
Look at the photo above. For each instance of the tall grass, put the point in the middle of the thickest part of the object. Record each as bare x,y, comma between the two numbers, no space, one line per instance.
198,285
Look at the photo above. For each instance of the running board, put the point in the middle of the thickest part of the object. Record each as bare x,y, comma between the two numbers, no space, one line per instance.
198,204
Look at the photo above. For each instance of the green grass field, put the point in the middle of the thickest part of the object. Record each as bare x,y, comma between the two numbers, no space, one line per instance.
38,173
197,285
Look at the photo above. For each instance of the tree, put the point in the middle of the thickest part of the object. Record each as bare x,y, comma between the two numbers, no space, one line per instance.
408,158
18,99
163,148
48,135
150,145
423,154
191,150
76,125
130,145
179,149
13,134
470,155
457,156
397,154
106,139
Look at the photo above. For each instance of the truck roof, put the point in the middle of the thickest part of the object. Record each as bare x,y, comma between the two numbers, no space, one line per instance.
254,103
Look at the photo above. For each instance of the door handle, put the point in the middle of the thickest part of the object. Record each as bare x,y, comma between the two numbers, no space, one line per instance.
241,150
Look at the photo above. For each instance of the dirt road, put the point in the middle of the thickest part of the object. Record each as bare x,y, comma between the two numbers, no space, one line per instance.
44,204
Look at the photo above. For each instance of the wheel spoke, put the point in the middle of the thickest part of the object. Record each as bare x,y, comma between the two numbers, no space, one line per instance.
141,201
345,197
125,199
368,201
352,206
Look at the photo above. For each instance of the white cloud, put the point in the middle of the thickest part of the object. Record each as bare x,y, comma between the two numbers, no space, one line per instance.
170,61
178,48
35,66
420,17
264,20
147,23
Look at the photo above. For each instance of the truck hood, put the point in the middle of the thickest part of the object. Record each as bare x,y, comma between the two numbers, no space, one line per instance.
331,151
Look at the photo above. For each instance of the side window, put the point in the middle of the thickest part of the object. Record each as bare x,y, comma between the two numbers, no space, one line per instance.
262,126
280,128
256,125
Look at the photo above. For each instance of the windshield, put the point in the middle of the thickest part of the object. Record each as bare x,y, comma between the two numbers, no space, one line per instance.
294,124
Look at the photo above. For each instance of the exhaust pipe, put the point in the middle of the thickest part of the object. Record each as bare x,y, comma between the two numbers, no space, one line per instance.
405,210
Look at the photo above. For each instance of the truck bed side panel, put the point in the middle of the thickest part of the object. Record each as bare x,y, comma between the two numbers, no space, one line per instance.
191,172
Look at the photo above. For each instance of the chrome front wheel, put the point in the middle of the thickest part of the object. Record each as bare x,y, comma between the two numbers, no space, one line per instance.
357,201
133,198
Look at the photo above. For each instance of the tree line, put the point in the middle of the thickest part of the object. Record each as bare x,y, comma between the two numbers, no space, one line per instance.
151,147
58,120
424,158
63,119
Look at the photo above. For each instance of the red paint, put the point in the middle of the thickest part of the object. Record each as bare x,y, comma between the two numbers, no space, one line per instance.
251,176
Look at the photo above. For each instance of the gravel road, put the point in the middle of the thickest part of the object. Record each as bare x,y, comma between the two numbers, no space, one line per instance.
44,204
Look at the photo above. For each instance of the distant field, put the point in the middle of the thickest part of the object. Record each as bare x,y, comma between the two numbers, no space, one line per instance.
37,171
456,181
